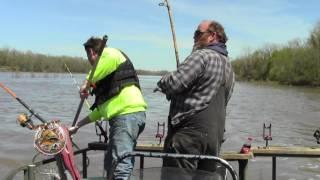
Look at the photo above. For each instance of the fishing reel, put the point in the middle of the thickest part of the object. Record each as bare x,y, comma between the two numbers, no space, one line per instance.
25,121
49,139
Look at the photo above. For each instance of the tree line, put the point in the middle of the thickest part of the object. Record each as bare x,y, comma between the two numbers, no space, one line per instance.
296,63
18,61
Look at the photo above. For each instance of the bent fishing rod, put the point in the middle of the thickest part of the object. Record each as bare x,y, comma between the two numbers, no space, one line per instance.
9,91
103,44
87,103
166,4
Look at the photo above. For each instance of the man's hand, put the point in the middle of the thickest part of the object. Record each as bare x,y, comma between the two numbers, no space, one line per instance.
73,129
157,89
84,93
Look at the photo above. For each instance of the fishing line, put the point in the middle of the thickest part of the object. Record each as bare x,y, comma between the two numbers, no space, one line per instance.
103,132
88,106
76,83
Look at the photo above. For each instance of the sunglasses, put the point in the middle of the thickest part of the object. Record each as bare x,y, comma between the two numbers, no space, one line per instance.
199,33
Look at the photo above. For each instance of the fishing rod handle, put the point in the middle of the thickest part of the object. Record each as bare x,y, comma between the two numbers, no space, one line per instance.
8,90
78,112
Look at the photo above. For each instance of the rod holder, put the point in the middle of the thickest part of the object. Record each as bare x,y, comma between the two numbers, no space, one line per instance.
316,134
159,134
267,135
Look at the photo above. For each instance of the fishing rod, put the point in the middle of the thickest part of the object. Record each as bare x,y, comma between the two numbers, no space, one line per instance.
166,4
103,132
50,137
9,91
103,44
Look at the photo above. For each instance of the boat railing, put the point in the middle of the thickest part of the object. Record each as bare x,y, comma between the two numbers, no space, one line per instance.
222,162
271,151
29,170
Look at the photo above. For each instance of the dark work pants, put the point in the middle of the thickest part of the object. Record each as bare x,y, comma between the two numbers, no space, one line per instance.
200,134
191,141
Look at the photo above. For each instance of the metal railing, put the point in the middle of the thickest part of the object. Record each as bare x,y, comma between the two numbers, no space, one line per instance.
29,171
273,152
223,162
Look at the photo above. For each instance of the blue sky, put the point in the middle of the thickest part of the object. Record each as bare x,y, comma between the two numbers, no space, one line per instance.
141,28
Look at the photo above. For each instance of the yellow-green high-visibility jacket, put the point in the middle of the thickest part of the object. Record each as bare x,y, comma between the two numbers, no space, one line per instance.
129,99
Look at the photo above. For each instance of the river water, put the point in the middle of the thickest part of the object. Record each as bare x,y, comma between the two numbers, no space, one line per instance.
293,112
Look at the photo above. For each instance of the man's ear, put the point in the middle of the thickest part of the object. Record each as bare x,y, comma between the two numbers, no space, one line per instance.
213,37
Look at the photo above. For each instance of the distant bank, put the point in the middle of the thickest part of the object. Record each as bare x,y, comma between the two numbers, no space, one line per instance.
16,61
297,63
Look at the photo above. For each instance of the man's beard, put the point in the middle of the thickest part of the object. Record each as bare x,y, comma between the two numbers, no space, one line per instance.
201,43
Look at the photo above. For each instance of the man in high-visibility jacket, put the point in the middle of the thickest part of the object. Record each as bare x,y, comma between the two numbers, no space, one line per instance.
118,99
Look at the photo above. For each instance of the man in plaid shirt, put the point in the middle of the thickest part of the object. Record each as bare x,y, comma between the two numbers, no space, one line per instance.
199,91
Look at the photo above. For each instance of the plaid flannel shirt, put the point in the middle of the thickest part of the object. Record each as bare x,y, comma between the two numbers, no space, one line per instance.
192,86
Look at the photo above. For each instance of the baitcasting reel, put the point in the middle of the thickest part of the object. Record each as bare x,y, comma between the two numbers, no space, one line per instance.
49,139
